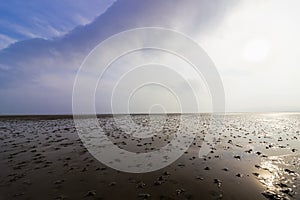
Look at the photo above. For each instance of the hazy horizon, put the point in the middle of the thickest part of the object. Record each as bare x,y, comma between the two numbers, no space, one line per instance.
170,113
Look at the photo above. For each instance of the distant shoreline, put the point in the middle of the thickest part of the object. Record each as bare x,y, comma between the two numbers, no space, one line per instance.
70,116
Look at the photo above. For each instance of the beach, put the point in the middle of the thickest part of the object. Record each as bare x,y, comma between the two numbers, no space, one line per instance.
251,156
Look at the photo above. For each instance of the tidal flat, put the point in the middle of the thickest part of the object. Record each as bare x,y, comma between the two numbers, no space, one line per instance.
248,156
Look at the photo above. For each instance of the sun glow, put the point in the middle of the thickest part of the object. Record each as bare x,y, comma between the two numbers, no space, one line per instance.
256,50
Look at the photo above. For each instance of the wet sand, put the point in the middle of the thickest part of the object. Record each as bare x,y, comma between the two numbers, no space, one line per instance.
253,156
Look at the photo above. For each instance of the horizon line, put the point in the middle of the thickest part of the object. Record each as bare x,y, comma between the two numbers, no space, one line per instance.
61,116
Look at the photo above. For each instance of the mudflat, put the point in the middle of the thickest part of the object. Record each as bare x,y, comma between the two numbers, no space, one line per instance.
249,156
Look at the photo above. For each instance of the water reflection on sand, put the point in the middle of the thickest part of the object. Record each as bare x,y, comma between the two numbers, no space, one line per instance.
280,176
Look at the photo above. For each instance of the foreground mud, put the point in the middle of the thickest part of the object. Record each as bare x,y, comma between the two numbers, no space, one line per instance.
250,156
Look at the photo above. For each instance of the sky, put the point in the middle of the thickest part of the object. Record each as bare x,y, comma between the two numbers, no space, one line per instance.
22,20
253,44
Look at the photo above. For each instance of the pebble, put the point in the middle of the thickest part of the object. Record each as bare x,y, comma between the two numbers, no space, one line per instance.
144,195
181,165
61,197
256,174
141,185
289,171
166,173
218,182
58,182
112,183
271,195
90,193
158,182
180,191
257,166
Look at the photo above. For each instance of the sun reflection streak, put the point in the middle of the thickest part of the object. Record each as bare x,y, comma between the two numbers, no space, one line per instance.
271,174
277,179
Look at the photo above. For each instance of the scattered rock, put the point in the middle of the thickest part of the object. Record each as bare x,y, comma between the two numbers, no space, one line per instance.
62,197
179,191
249,151
289,171
112,183
158,182
166,173
90,193
287,191
207,168
218,182
161,178
256,174
181,165
257,166
140,185
58,182
271,195
144,195
282,185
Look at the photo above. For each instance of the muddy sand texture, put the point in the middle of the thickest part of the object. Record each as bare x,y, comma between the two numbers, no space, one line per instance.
253,156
